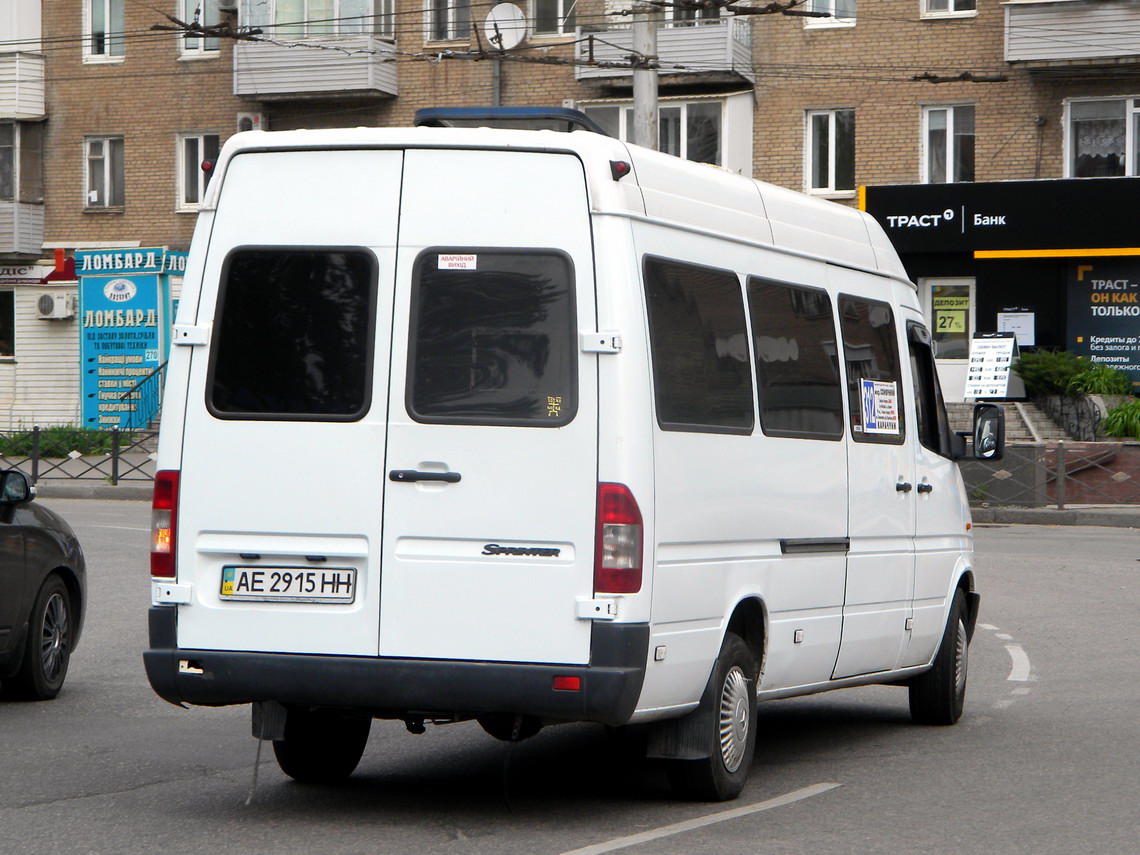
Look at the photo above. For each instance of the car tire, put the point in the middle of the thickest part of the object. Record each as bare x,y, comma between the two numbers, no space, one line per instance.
727,716
321,746
47,651
937,696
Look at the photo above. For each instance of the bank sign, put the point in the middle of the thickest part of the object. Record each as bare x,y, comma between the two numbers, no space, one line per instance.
1007,215
123,297
1104,313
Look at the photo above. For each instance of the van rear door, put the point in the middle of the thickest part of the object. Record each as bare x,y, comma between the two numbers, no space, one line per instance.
492,440
282,480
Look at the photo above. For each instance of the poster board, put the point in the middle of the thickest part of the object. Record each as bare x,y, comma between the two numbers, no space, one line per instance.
991,358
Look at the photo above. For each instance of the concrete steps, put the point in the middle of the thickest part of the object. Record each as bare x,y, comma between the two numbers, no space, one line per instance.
1024,421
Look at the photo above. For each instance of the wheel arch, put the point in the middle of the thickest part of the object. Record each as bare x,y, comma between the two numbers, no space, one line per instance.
749,620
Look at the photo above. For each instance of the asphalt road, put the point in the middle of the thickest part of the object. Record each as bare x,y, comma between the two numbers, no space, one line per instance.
1044,761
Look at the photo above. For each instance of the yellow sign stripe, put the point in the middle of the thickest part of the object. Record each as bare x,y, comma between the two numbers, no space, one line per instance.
1055,253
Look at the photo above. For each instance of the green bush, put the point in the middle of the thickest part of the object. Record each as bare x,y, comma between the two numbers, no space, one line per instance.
1124,421
1048,372
1099,379
59,441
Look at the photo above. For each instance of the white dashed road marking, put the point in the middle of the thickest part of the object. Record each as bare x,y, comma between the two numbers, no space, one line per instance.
702,821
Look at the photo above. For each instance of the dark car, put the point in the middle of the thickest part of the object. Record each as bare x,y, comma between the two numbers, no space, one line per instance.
43,588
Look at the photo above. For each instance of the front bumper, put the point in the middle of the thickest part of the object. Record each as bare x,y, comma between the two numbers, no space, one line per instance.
399,688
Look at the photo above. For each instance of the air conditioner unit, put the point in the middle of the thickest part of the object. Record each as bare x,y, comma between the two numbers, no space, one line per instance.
227,5
251,121
55,307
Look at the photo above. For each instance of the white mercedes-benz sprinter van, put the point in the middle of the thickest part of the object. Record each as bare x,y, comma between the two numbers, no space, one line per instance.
532,427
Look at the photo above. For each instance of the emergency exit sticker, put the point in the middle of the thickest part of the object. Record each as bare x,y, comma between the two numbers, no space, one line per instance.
880,407
457,261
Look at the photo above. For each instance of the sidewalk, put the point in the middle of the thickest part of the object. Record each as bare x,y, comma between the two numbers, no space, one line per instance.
1117,516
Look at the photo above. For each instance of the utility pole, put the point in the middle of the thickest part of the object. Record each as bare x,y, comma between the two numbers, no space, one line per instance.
646,19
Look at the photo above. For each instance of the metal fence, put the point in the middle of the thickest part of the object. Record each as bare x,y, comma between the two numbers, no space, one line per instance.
69,453
1057,474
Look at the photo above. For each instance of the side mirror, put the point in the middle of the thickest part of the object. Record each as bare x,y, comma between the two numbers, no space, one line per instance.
989,432
15,488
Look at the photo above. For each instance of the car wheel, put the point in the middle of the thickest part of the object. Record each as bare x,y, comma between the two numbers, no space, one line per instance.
938,695
727,713
321,746
48,648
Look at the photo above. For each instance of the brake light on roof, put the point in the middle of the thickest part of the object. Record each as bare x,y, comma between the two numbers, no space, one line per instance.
164,523
618,542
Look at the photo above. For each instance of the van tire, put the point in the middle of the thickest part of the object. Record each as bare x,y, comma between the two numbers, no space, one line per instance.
320,746
47,649
937,696
728,729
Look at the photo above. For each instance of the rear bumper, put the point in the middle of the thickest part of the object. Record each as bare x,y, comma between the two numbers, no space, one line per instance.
398,688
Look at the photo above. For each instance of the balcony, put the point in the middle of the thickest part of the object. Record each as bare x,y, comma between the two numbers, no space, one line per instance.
21,85
352,65
21,228
722,48
1072,34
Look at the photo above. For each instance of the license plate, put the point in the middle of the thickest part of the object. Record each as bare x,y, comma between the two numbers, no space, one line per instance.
289,584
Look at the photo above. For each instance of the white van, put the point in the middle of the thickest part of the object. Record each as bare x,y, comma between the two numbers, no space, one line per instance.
532,427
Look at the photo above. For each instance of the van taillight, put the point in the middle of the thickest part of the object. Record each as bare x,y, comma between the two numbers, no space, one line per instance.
163,523
617,557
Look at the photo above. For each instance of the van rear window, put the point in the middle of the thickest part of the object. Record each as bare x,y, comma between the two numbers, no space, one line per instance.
493,338
293,335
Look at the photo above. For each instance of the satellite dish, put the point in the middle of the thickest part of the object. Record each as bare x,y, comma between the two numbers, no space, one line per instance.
505,27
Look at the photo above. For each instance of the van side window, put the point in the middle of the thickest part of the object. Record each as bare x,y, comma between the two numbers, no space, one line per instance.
493,338
929,408
699,342
294,335
871,353
797,360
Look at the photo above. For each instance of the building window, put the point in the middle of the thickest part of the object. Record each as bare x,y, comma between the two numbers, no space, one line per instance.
104,37
21,162
303,18
7,324
449,19
687,16
949,137
554,16
193,151
208,16
1101,138
690,130
104,172
831,151
947,8
838,12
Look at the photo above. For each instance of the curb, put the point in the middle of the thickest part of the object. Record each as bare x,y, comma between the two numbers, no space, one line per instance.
52,489
1123,516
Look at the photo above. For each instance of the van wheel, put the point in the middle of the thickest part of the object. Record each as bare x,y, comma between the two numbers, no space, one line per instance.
938,695
47,651
727,716
321,746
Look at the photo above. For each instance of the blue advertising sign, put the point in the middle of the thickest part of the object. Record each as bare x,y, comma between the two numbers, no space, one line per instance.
121,295
1104,313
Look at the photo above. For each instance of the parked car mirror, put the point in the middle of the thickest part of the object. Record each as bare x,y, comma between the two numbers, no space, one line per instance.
15,488
989,432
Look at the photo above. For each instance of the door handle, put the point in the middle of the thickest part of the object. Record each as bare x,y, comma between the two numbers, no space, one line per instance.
408,476
903,487
926,488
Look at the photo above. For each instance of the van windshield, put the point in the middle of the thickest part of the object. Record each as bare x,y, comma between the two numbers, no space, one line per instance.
293,335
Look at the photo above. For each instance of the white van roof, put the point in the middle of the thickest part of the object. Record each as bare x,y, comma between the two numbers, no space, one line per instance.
660,187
